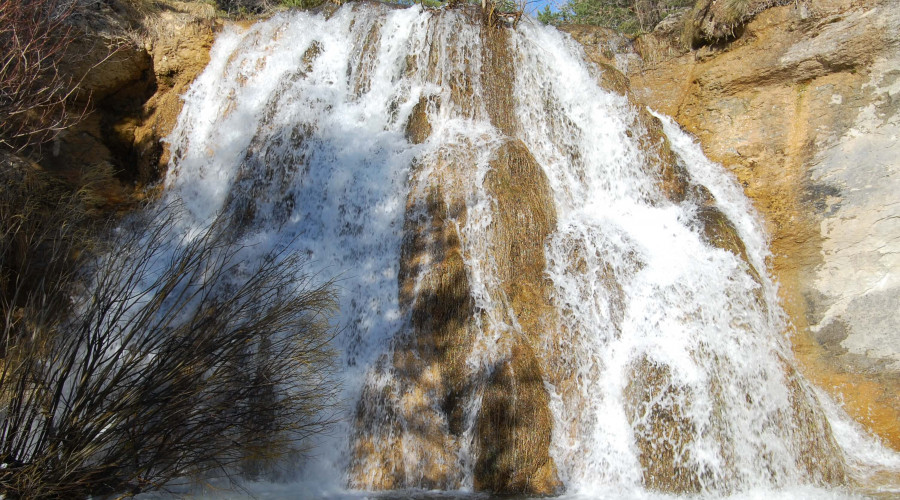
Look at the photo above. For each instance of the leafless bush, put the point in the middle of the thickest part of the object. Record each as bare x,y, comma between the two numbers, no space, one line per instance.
33,91
43,225
179,359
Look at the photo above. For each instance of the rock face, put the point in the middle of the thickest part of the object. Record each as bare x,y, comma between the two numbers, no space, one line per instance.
804,108
178,41
433,381
133,83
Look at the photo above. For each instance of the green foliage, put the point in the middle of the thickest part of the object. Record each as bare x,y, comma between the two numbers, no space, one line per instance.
627,16
507,6
548,16
301,4
615,14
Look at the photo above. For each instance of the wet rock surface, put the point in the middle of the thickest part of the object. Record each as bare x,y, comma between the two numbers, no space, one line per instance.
456,392
801,106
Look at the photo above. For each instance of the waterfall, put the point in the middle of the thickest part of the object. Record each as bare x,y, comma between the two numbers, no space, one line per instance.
544,288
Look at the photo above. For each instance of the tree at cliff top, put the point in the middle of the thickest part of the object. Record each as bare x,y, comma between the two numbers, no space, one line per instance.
627,16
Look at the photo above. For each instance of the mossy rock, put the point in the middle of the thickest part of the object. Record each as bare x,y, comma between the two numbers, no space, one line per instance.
820,456
515,423
514,429
718,231
713,21
498,79
524,215
443,313
662,431
660,161
418,128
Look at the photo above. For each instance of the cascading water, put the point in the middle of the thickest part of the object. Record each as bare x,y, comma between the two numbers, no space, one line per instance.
543,288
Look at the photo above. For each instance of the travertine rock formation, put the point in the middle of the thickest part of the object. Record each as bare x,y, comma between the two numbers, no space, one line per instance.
803,107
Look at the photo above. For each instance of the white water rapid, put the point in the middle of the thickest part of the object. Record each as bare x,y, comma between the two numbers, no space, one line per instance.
370,140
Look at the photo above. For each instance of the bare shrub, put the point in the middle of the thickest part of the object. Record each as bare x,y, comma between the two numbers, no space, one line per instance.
43,225
713,22
180,358
34,35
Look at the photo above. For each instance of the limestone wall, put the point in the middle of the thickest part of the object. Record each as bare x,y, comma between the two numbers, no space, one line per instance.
804,108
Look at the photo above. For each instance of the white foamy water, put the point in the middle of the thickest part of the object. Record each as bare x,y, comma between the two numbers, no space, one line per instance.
297,129
682,304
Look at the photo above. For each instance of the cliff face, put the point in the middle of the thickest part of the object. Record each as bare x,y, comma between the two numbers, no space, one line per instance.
136,66
804,108
543,288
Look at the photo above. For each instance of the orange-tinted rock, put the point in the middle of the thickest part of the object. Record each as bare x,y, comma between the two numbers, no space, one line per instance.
514,429
179,44
799,107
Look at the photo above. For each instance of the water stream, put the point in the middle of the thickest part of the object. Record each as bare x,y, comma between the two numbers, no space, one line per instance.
503,227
